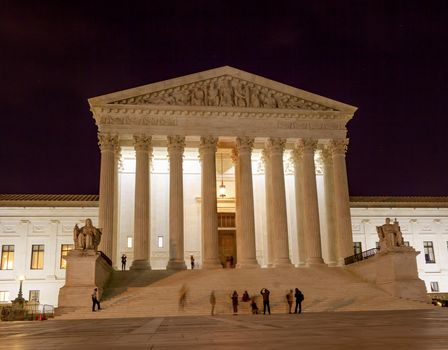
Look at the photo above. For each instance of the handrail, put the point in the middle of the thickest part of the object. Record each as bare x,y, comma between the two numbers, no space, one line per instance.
360,256
105,257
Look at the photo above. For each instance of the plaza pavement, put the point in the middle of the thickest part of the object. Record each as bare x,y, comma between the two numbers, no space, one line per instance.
412,329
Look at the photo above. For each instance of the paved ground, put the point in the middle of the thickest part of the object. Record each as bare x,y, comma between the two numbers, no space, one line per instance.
422,329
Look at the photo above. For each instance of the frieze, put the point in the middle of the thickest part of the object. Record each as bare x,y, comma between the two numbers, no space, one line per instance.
140,120
223,91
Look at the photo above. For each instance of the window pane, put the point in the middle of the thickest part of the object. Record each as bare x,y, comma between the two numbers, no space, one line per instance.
434,286
37,257
65,248
160,241
129,242
7,258
4,296
429,252
34,295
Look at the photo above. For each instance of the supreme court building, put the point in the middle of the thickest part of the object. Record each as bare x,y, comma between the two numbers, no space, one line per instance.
167,147
222,165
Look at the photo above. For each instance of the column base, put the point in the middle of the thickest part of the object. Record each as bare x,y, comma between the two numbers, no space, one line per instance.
176,265
211,264
140,265
249,264
285,262
310,262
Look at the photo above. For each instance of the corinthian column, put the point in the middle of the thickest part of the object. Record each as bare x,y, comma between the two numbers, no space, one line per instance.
209,210
269,209
108,144
342,201
311,210
300,205
143,152
276,146
176,145
330,206
246,252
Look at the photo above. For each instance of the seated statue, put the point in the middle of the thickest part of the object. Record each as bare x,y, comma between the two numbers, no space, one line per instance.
390,235
86,237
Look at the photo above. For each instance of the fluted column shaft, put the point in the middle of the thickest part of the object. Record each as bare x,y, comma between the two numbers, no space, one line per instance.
276,147
247,256
176,145
300,205
269,209
342,201
311,225
116,222
236,162
209,210
107,144
143,151
330,207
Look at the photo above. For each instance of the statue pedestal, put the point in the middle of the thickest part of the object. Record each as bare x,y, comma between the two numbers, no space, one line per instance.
86,270
394,270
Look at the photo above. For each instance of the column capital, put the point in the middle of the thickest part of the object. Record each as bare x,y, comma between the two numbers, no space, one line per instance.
107,142
234,155
142,143
208,144
338,146
306,145
245,144
296,156
176,143
325,154
275,144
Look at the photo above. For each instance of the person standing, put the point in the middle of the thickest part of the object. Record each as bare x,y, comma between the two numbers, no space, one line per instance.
95,300
299,298
212,301
123,262
235,302
183,297
265,294
192,262
289,298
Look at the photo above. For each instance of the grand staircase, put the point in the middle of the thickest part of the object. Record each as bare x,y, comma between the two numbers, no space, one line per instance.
156,293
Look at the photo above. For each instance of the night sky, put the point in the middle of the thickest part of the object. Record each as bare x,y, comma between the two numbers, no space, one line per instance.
388,58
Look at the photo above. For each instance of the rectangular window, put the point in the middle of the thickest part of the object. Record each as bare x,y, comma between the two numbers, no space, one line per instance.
160,241
434,286
34,295
428,249
357,248
4,296
406,243
65,248
37,257
7,259
129,242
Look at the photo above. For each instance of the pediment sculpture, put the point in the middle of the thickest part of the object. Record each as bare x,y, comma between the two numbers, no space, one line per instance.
390,235
224,91
87,237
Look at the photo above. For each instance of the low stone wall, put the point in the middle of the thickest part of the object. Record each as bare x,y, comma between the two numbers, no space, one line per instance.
394,271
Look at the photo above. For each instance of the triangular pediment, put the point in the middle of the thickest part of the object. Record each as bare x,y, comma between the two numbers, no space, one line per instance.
223,87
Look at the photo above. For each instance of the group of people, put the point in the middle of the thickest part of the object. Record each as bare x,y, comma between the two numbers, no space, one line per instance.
265,293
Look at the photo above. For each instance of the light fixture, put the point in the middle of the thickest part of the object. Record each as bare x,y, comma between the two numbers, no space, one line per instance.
222,188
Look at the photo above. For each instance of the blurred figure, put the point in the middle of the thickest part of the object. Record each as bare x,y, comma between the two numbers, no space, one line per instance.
212,301
235,302
245,296
192,262
253,306
123,262
289,298
182,297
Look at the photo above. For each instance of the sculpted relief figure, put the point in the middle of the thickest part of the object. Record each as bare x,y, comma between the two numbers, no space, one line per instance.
390,235
225,91
86,237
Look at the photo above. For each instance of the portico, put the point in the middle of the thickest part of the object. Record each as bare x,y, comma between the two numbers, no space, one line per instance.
159,173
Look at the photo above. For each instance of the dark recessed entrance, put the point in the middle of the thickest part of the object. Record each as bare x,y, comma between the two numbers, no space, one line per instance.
227,239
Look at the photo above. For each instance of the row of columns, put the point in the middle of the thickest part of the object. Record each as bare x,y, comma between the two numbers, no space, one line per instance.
307,211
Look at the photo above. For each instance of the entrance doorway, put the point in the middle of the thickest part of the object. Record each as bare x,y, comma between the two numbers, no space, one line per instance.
227,239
